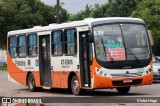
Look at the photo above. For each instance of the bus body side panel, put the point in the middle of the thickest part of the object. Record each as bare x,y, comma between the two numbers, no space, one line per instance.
99,82
62,66
60,78
14,72
64,79
56,79
19,75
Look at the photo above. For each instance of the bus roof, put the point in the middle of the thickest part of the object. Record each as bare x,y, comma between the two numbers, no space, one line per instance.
87,21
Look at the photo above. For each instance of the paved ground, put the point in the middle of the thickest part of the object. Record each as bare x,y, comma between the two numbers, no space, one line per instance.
8,89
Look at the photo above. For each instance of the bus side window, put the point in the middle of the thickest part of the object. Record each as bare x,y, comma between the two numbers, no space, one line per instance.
22,48
13,46
70,42
57,42
32,45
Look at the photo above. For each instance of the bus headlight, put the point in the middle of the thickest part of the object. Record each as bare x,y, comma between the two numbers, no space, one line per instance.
105,74
146,72
150,70
98,69
100,73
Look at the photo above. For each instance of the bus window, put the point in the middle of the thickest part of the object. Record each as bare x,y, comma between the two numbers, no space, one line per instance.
13,46
22,46
70,42
57,42
32,45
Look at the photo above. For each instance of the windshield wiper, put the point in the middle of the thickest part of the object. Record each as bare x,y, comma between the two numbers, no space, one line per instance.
112,60
132,54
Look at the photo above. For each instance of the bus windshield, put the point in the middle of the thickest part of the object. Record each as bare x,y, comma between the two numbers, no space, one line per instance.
120,42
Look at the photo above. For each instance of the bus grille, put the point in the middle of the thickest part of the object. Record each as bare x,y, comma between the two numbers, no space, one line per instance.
131,75
120,83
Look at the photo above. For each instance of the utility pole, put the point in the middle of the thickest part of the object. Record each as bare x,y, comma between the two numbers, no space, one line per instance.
58,11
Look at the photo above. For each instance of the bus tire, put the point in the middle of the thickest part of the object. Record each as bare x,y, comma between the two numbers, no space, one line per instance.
123,90
75,86
31,83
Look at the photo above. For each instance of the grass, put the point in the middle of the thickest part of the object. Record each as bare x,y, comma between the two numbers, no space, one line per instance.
3,68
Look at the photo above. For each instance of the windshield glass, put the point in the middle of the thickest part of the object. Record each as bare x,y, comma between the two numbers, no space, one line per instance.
119,42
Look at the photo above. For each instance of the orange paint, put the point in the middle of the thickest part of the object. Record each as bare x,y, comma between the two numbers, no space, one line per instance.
63,79
56,80
106,82
27,104
147,79
19,75
60,78
102,82
36,75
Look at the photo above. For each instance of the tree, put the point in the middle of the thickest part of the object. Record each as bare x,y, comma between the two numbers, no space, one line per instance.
120,8
22,14
149,11
113,8
99,10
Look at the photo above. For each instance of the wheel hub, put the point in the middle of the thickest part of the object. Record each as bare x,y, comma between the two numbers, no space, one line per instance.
76,85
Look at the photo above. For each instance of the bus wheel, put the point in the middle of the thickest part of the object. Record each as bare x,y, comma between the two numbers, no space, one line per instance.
75,86
31,83
123,90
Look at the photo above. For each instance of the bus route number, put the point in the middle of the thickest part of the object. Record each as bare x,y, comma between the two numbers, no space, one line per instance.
133,28
98,32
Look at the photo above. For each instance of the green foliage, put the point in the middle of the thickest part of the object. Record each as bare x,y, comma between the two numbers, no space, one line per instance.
120,8
113,8
3,67
98,11
149,11
21,14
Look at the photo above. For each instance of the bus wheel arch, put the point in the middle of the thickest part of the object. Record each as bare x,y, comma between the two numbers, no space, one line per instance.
30,82
71,74
27,77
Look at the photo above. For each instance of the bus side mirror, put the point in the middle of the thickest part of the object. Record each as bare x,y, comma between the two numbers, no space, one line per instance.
151,37
90,37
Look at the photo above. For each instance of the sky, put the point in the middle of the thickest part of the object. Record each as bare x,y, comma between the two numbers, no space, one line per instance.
74,6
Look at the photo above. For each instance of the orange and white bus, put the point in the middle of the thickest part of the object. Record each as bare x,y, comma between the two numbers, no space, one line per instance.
88,54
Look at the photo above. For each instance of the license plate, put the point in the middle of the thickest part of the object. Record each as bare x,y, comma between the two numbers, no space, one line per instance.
127,81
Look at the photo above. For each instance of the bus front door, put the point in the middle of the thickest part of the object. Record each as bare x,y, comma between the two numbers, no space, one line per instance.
84,59
44,62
